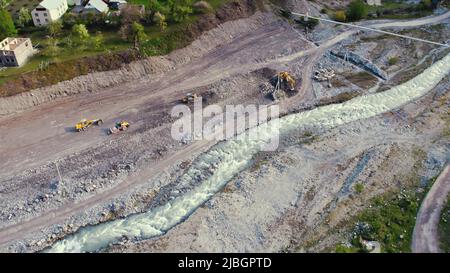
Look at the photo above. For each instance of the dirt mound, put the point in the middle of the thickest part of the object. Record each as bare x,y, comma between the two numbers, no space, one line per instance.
211,30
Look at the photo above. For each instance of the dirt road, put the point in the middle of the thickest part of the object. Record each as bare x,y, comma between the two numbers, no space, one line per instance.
425,235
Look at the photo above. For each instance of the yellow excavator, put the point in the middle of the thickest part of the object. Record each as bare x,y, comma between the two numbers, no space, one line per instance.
284,76
84,124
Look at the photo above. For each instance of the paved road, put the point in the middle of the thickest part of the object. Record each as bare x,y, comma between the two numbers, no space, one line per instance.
425,235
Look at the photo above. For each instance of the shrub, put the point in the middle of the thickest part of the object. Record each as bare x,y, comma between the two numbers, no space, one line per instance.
285,13
359,188
24,18
160,20
54,28
340,16
308,24
357,10
393,60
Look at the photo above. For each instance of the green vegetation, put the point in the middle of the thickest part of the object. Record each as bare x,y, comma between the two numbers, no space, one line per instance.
24,17
393,60
359,188
340,16
54,28
356,11
346,249
162,28
7,27
444,227
390,9
308,24
389,220
391,217
285,13
14,6
400,10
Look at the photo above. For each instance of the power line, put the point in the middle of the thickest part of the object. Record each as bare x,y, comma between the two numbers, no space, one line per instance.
371,29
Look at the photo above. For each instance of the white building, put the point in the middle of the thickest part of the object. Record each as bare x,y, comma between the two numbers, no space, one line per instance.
15,51
96,6
48,11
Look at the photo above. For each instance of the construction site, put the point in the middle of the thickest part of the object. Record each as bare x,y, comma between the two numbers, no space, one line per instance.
89,164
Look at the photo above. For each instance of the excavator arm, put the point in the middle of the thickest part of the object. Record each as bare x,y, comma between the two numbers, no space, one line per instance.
285,76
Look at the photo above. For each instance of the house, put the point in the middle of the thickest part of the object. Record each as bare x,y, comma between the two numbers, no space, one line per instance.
48,11
373,2
15,51
116,4
96,6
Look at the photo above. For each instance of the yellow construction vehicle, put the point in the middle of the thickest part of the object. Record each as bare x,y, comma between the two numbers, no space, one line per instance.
84,124
286,77
189,98
119,126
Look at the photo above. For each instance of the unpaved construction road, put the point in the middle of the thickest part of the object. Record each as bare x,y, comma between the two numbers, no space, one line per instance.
44,134
425,236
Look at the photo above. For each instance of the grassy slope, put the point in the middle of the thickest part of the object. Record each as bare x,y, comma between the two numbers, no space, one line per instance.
391,217
158,44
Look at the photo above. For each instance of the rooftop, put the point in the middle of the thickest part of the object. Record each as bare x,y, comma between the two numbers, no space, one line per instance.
51,4
11,43
98,5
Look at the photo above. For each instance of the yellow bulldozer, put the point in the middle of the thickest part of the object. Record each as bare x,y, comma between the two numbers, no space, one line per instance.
84,124
119,127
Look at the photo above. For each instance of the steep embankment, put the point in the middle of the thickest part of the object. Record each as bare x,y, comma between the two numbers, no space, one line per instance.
205,32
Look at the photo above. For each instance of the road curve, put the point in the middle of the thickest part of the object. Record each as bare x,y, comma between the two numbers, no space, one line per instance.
425,236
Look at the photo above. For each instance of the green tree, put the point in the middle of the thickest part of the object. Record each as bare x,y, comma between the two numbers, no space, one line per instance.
7,27
54,28
155,6
160,20
80,31
69,19
3,4
357,10
24,17
138,33
180,9
97,40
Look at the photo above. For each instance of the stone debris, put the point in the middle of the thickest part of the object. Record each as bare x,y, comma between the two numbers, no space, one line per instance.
324,74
